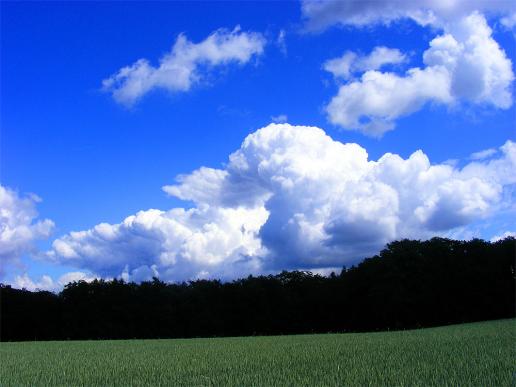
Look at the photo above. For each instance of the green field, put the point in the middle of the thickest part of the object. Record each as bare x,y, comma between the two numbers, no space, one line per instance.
480,354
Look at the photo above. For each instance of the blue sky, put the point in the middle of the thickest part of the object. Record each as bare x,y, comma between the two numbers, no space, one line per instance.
92,159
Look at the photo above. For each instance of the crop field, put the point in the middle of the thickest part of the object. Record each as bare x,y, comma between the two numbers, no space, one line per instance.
480,354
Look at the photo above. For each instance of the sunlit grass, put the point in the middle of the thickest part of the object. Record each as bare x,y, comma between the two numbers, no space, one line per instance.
480,354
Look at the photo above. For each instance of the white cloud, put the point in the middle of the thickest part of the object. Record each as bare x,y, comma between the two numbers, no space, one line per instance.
185,65
320,14
463,64
19,228
292,197
373,103
174,244
350,62
47,283
75,276
25,282
506,234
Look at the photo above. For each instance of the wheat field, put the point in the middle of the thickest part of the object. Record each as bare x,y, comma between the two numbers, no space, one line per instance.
478,354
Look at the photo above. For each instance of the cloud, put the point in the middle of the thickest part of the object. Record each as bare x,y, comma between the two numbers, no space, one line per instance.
19,228
464,64
47,283
280,42
506,234
509,21
185,65
350,63
279,119
484,154
25,282
291,197
321,14
174,244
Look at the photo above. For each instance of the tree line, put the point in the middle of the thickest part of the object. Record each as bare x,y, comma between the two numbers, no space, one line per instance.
410,284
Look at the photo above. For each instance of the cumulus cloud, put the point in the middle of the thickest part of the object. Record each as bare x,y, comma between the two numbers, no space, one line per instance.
19,227
320,14
47,283
185,65
350,63
175,244
291,197
463,64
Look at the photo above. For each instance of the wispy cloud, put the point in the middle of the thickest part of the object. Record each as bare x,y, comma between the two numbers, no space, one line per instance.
185,66
351,62
280,118
281,43
321,14
484,154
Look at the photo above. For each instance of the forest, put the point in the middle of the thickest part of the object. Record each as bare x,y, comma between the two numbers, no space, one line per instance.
409,284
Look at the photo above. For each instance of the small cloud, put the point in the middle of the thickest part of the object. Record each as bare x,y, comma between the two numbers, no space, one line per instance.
186,65
351,62
47,283
281,118
280,41
74,276
506,234
509,21
484,154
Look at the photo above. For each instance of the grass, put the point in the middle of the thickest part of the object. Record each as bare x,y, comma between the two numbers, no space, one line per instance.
478,354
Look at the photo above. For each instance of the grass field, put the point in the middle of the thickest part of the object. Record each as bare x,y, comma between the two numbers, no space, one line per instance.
479,354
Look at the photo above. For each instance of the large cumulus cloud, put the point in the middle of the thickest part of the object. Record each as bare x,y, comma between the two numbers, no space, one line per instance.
292,197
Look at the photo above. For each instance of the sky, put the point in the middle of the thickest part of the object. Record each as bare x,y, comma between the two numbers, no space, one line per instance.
189,140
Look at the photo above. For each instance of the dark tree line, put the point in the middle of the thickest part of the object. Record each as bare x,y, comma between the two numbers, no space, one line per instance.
410,284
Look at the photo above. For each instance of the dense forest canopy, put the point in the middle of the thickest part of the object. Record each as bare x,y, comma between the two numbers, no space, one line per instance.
410,284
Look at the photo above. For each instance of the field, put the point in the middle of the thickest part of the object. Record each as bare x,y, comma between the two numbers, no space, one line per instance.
479,354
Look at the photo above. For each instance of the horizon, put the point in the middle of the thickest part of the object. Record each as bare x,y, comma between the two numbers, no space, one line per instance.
204,140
